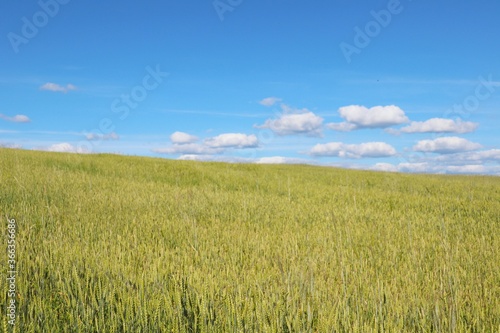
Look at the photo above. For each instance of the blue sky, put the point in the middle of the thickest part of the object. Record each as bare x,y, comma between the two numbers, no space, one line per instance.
409,85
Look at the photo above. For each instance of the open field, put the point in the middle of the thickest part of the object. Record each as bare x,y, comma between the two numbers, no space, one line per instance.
130,244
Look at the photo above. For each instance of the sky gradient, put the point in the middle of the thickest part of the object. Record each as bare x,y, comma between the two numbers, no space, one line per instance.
410,85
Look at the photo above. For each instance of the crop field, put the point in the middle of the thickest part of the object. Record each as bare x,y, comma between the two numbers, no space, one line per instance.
108,243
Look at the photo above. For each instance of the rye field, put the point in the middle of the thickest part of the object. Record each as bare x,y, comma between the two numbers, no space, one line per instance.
108,243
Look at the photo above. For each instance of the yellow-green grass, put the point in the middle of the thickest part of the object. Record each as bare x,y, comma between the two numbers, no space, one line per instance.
111,243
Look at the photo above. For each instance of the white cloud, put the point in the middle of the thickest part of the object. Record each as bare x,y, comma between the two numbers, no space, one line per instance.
440,125
66,148
10,145
233,140
471,168
49,86
414,167
492,155
182,138
475,169
294,121
214,158
339,149
281,160
270,101
19,118
188,149
385,167
466,158
327,149
271,160
446,145
341,127
182,144
102,137
431,167
358,117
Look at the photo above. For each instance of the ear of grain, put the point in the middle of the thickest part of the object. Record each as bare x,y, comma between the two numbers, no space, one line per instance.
111,243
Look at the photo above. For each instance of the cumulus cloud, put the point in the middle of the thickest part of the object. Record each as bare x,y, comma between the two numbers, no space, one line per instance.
10,145
188,148
471,168
341,127
387,167
214,158
270,101
281,160
446,145
233,140
415,167
339,149
66,148
358,116
294,121
19,118
182,138
492,155
483,157
102,137
474,169
439,125
183,144
49,86
431,167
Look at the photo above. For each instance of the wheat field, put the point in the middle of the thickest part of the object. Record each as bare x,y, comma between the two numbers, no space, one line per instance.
109,243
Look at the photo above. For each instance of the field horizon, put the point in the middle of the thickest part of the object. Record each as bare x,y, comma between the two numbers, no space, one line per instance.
113,243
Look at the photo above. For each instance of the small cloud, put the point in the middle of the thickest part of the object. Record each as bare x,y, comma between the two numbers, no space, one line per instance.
341,127
358,117
10,145
339,149
183,144
469,157
426,167
415,167
387,167
182,138
233,140
188,149
270,101
66,148
280,160
102,137
439,125
49,86
294,122
468,169
446,145
20,118
214,158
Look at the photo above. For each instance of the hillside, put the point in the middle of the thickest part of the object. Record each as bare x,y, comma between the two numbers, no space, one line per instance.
108,243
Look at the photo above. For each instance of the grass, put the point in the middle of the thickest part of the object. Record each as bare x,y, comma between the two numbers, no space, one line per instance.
131,244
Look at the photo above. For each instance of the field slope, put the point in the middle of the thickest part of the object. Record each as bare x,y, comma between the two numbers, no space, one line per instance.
130,244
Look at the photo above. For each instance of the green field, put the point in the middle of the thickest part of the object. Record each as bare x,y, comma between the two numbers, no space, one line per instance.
110,243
